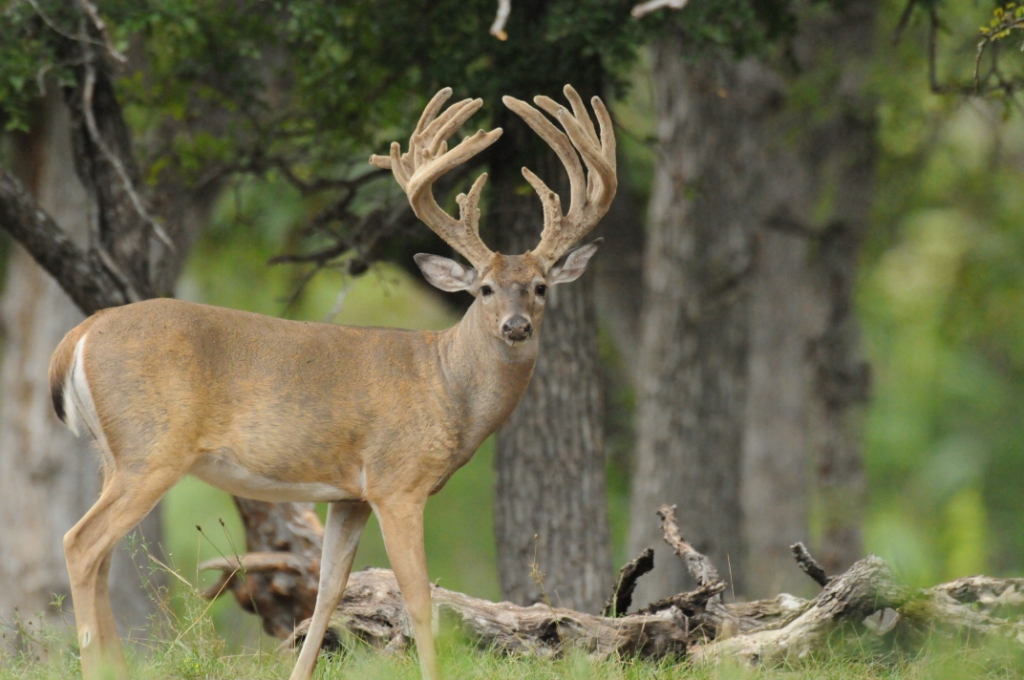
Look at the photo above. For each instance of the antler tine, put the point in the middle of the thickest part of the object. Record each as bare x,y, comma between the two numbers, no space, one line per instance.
432,108
579,110
557,140
591,194
429,158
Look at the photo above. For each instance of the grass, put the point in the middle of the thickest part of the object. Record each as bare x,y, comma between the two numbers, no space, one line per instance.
182,644
202,660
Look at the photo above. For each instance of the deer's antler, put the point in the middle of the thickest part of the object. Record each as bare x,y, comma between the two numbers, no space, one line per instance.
428,158
591,193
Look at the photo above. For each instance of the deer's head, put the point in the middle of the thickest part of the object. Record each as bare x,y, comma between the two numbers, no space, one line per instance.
510,290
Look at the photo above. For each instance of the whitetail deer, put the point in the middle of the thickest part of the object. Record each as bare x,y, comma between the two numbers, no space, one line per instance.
362,418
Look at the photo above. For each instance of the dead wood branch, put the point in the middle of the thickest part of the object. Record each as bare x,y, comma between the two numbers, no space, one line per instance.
809,565
984,591
279,578
690,603
866,598
698,565
864,589
373,612
697,624
622,595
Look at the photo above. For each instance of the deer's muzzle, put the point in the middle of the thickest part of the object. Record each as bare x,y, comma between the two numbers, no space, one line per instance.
517,328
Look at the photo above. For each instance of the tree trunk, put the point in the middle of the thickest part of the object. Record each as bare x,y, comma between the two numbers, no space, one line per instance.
808,381
618,277
694,336
775,469
49,478
551,524
782,190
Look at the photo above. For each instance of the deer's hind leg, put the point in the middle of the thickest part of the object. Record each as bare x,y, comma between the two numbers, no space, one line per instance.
127,497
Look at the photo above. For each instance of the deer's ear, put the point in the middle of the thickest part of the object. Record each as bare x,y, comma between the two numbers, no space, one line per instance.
571,266
448,275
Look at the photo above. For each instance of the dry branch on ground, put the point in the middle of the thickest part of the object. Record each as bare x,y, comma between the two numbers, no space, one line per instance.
867,599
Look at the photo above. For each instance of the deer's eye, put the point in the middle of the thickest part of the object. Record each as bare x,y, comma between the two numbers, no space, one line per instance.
542,290
486,290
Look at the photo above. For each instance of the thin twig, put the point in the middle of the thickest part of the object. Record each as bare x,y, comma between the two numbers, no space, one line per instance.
111,266
46,68
101,28
645,8
339,301
933,30
60,31
94,134
322,184
498,27
904,20
690,602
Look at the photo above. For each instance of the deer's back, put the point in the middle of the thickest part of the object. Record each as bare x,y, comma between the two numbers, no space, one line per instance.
283,398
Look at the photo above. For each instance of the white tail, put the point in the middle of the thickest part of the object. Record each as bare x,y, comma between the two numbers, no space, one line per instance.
362,418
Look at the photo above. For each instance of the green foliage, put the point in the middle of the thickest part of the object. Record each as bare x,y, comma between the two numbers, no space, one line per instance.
313,83
324,82
940,300
27,54
1004,21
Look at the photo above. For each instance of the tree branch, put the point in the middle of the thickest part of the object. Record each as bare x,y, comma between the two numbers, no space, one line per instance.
97,139
101,28
82,275
698,565
645,8
622,595
809,565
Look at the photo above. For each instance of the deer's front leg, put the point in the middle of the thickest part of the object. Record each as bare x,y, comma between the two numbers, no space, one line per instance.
345,522
401,523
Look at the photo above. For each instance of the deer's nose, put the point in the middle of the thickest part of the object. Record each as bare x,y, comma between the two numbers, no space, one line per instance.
517,328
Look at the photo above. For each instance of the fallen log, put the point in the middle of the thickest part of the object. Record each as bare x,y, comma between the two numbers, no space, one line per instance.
372,611
867,599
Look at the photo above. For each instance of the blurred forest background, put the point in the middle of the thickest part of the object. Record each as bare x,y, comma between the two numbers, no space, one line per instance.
845,215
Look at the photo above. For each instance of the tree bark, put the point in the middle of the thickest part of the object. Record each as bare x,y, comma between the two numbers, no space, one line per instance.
694,335
551,524
618,278
49,478
808,380
763,408
776,479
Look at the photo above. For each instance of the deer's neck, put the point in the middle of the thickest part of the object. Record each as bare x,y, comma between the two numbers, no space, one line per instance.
484,376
